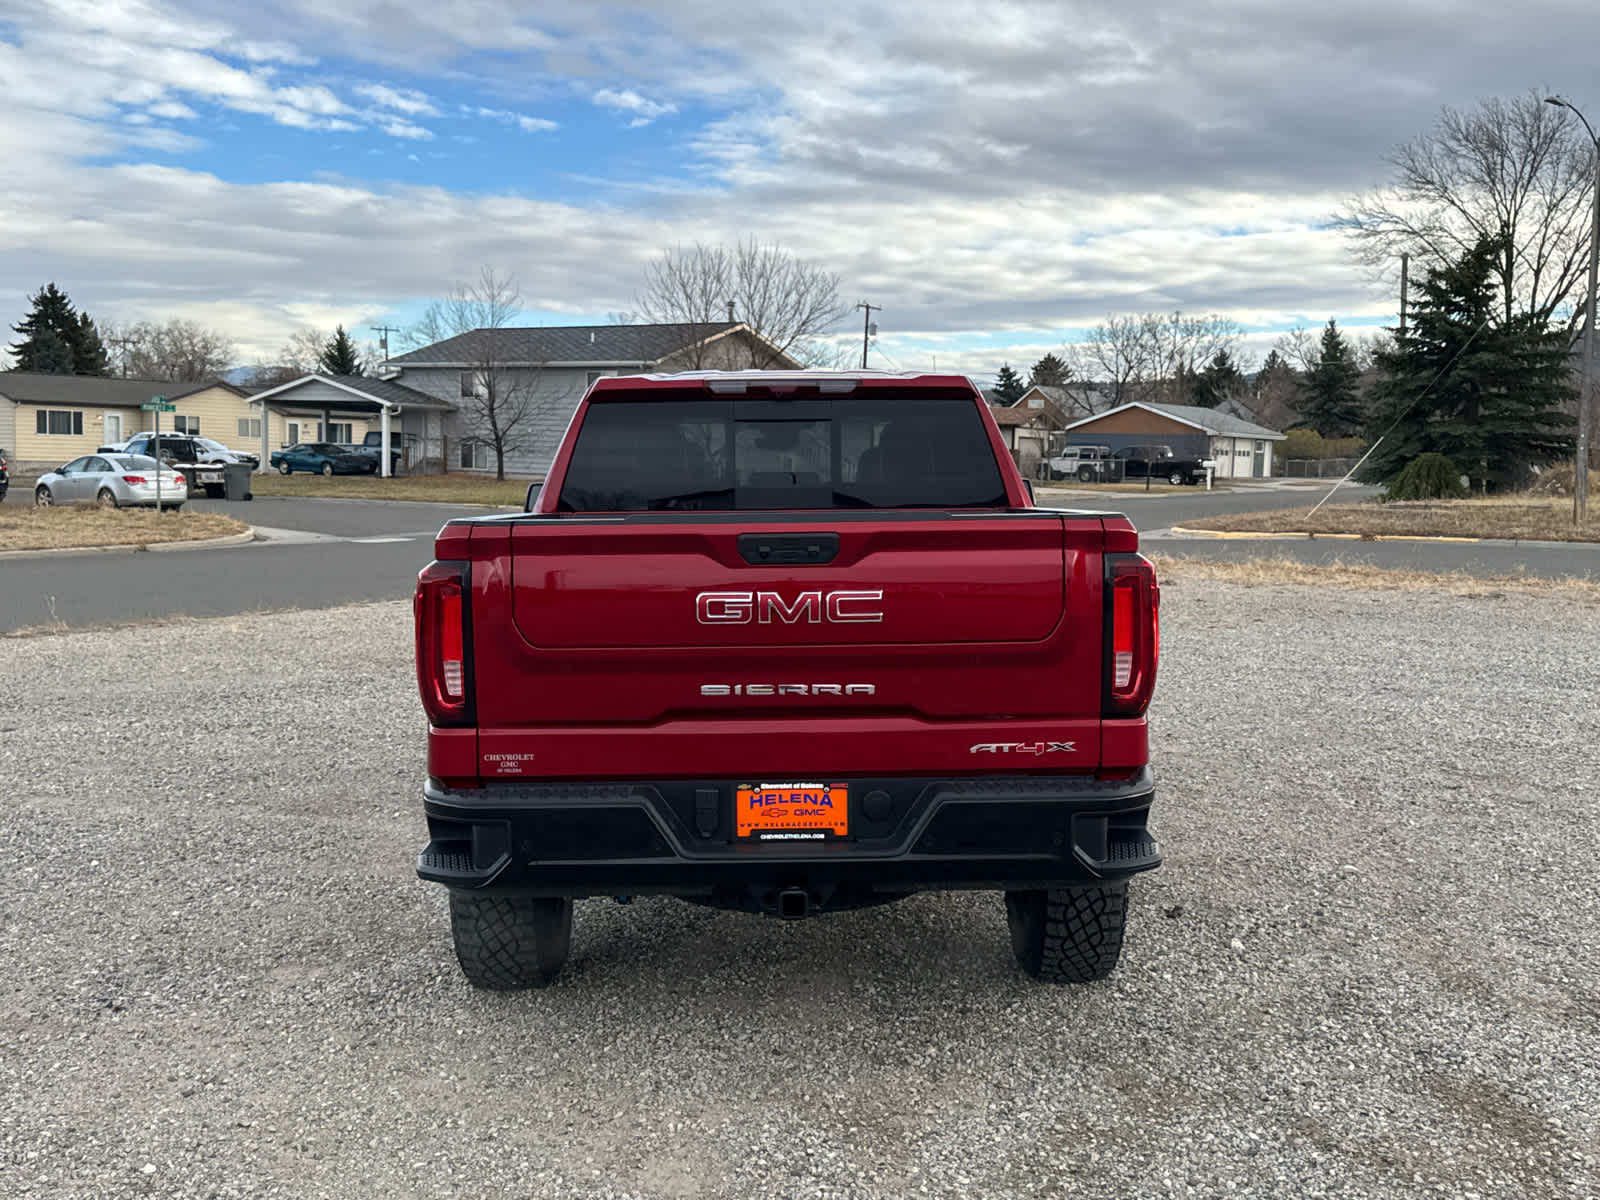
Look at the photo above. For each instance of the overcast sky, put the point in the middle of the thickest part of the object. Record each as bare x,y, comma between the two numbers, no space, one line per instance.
997,175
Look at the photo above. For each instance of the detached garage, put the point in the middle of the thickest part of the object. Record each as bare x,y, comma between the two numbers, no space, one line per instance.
1240,448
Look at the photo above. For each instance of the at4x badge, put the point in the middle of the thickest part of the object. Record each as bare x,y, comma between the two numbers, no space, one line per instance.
1025,748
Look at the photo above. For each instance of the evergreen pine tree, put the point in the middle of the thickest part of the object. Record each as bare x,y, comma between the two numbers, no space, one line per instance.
339,356
1220,379
1329,400
89,355
52,333
1049,371
1008,386
1464,382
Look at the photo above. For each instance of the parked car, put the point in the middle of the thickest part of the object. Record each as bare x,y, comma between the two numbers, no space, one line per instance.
113,480
1159,462
5,482
325,458
228,454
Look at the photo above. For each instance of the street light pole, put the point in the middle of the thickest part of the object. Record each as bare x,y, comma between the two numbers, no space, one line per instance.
1580,491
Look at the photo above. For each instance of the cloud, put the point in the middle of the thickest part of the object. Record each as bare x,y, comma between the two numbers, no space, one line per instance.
525,123
405,129
644,110
1028,166
404,100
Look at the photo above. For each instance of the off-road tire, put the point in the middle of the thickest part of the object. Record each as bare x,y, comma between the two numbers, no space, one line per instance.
106,498
42,497
505,943
1068,935
327,469
1086,474
285,469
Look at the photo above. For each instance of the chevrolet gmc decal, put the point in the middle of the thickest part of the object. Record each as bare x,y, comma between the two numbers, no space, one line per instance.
845,607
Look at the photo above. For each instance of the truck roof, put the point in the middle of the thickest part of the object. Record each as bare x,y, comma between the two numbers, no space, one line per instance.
826,382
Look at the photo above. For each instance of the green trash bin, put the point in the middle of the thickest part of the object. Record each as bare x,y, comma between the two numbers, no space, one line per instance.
236,481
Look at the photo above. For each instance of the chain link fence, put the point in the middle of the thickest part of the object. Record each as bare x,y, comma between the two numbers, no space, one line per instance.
1317,468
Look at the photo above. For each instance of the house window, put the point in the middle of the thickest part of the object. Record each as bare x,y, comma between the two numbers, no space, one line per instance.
189,425
338,431
475,455
469,383
249,427
58,422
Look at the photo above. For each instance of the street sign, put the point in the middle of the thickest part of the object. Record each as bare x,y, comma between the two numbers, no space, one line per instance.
158,406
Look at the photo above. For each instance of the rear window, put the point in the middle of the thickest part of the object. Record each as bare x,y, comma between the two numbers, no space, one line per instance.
900,450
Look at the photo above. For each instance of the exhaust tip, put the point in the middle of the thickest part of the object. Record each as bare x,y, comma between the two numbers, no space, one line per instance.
793,904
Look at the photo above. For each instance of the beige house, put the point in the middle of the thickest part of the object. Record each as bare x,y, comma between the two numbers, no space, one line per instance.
47,419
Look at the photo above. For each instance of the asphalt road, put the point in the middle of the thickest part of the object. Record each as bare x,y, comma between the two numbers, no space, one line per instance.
318,553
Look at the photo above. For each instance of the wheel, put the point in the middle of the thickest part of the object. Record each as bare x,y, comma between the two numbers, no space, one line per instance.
42,496
106,498
506,942
1068,935
285,469
1086,474
1176,478
327,468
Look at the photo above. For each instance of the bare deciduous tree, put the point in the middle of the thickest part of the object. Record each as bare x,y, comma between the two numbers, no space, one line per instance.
1151,356
787,301
299,356
500,409
182,351
1518,167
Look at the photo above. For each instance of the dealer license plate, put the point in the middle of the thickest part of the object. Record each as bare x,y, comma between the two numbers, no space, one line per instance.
791,812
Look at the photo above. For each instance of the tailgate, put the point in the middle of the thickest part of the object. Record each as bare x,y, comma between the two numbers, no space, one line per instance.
986,627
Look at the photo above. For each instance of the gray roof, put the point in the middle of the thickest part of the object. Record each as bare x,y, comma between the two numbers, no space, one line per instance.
378,391
621,345
36,387
1214,421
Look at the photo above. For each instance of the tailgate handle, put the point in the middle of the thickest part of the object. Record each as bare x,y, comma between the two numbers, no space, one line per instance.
767,549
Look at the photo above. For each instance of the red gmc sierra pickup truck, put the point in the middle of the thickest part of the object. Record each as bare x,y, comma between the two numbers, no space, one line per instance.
788,643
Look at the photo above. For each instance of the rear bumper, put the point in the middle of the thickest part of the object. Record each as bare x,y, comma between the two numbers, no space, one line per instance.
675,838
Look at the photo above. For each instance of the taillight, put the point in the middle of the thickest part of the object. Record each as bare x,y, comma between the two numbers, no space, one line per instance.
177,479
443,617
1132,634
133,479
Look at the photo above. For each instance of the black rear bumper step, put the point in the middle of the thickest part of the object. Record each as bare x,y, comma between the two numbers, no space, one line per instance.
675,837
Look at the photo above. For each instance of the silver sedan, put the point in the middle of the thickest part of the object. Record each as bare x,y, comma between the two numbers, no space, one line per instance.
111,480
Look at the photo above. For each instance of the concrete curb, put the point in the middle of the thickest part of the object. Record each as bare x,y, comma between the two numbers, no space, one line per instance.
232,539
1306,536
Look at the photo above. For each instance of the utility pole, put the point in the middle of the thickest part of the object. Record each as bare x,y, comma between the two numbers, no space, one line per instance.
1405,289
122,344
867,327
1580,483
383,332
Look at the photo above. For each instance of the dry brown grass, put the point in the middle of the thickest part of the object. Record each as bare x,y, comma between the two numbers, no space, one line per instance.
1522,518
1266,572
441,489
23,527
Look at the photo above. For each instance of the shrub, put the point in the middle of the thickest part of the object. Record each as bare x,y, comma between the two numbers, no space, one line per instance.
1426,477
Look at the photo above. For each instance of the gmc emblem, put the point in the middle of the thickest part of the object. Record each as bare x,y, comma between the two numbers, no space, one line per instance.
741,608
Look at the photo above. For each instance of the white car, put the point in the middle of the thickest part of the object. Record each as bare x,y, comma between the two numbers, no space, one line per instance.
113,481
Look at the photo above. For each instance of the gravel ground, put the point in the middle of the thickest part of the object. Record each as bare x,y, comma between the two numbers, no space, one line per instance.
1367,969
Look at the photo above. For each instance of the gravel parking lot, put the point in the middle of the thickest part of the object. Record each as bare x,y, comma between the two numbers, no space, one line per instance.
1367,969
